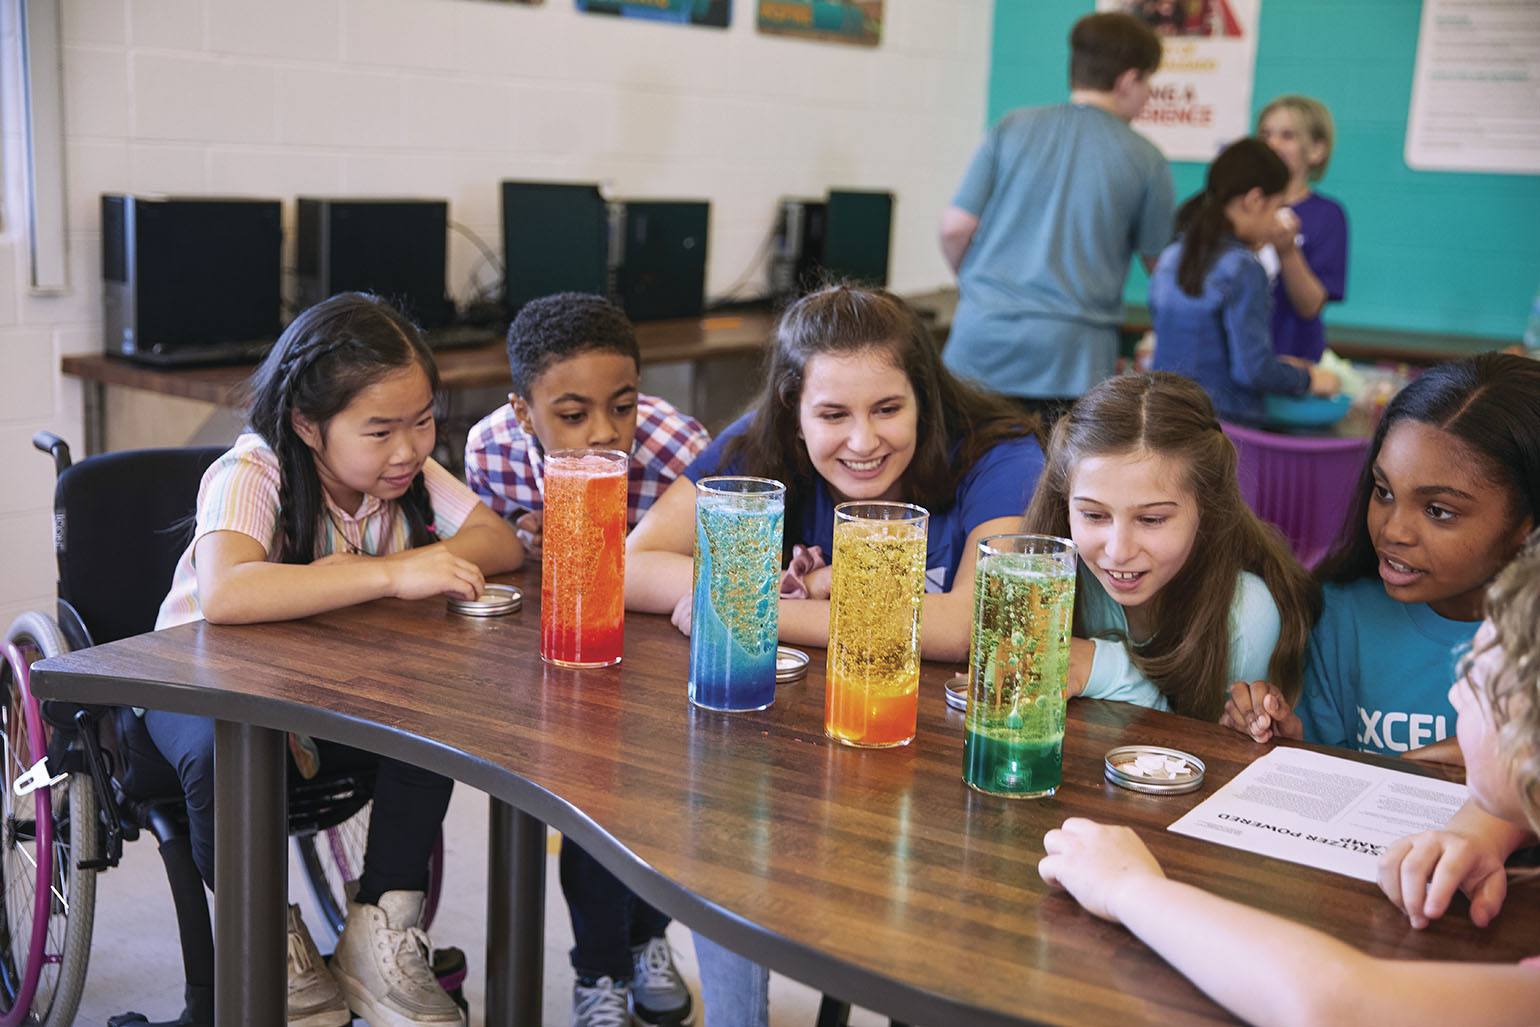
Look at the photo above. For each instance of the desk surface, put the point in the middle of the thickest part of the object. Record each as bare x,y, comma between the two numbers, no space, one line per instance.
876,876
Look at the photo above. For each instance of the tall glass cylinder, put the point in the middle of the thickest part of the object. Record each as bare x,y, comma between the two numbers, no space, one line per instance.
582,572
735,611
1018,664
873,683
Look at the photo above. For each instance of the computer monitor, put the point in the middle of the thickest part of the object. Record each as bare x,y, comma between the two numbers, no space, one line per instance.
658,257
857,233
554,240
395,248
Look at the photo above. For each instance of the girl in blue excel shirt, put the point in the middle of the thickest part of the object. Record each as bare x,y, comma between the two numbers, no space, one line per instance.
1447,495
1209,296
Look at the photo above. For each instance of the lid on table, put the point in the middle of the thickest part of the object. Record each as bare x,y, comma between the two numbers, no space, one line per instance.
494,601
1154,769
957,692
790,664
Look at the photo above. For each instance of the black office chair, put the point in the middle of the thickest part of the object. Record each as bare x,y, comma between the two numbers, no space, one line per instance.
121,521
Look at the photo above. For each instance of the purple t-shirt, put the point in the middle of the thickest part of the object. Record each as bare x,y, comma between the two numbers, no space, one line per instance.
1323,226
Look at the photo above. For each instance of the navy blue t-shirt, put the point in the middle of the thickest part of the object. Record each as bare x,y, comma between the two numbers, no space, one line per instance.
999,484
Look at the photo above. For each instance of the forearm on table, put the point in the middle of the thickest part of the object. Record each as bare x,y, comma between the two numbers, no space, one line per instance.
258,591
657,580
494,547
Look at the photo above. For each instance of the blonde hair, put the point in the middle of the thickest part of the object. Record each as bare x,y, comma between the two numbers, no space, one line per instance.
1513,690
1312,119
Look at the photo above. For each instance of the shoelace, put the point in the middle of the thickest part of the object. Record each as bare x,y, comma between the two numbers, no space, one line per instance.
655,965
601,1006
410,943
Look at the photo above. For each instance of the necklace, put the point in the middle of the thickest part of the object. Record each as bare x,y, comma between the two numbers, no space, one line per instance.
349,547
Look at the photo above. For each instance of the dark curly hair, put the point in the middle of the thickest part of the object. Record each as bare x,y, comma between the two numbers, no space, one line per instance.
556,327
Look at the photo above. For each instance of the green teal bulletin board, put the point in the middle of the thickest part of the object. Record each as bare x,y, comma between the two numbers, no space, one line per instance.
1428,251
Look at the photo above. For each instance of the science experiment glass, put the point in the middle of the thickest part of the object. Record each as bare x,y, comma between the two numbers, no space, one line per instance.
582,579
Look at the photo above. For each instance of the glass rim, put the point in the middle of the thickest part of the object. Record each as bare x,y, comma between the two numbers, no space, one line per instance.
776,488
915,511
1067,546
582,451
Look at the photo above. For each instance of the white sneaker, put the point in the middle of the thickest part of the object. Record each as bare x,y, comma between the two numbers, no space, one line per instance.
381,963
604,1003
314,998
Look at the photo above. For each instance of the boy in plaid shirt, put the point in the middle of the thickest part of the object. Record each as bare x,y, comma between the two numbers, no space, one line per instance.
576,370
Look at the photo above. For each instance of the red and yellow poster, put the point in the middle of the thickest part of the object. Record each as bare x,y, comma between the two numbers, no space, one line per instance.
835,21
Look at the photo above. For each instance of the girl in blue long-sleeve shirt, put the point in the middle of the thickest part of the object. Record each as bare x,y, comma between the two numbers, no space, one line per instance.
1210,298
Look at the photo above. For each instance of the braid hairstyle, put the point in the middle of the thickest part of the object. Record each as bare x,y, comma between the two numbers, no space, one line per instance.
325,357
1244,165
1188,657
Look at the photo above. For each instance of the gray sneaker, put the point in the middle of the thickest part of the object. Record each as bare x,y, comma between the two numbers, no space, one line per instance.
602,1003
314,998
659,996
381,964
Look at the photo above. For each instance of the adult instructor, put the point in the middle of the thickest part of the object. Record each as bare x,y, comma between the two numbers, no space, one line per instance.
1051,208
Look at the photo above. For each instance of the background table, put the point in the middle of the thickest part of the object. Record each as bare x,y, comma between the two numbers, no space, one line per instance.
873,875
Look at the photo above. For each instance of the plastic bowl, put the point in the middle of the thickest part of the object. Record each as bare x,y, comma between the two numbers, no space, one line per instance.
1307,411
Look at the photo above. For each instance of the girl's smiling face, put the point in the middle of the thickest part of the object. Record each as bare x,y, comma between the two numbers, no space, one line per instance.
859,418
1440,526
378,443
1135,522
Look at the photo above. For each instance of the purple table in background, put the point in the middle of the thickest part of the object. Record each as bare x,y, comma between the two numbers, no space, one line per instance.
1301,483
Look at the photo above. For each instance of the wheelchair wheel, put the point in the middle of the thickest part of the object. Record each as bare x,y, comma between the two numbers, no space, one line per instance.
334,858
47,901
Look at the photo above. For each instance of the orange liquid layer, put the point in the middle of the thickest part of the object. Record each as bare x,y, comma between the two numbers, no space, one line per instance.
869,717
582,580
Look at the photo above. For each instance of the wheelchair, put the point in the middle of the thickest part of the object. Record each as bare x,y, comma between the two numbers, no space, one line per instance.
80,780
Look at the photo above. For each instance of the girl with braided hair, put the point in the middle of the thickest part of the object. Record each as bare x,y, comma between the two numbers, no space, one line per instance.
332,499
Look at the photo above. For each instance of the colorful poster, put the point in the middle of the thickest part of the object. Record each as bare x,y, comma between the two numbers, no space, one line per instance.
715,13
1200,98
835,21
1476,89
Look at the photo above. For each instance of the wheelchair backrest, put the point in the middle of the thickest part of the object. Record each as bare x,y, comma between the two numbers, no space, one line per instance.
121,521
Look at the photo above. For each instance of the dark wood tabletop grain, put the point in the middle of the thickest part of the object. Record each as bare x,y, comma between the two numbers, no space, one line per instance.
873,875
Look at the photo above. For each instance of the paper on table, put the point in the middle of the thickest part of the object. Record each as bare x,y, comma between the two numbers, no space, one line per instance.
1319,810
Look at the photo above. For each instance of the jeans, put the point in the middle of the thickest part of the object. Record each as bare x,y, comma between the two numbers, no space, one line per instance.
608,920
736,990
409,803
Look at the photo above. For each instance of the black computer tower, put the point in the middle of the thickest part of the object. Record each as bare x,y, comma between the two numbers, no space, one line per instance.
187,280
796,261
658,257
395,248
555,239
857,236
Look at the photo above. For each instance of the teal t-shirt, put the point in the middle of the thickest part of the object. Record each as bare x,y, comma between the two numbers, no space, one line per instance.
1254,627
1377,672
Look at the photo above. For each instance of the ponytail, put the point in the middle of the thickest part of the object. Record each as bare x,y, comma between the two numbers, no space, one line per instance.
1244,165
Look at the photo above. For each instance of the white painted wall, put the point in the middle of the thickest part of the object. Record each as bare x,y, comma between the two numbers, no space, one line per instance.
445,98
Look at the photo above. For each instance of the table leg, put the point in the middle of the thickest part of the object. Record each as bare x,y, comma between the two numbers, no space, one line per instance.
250,903
515,916
94,414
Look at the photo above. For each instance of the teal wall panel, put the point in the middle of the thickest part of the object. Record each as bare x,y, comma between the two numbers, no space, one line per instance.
1429,251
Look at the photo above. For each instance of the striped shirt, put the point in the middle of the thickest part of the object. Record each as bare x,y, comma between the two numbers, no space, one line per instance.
239,492
505,465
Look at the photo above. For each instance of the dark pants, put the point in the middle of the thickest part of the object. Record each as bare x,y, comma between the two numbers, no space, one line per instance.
409,803
608,920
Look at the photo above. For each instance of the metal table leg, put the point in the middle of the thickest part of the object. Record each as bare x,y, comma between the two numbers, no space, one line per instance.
250,902
515,916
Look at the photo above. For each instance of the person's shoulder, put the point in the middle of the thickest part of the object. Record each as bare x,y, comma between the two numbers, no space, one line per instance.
1253,597
498,427
666,437
250,453
655,412
1325,205
1343,602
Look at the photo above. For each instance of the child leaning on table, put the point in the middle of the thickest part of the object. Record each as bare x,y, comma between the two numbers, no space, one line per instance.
1449,490
1268,970
1181,589
331,499
576,372
1209,298
856,405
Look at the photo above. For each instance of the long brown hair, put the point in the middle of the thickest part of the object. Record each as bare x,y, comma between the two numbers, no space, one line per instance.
1188,657
958,423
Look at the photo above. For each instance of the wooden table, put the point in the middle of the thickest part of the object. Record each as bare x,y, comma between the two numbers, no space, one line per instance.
875,876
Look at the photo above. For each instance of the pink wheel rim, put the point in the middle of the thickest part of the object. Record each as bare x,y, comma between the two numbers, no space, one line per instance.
43,812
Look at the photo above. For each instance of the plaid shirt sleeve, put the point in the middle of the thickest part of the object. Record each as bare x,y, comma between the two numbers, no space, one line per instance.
499,464
666,442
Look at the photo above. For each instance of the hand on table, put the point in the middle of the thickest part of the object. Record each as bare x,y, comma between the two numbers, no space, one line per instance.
1324,382
431,571
1258,709
684,610
1420,873
1095,862
531,531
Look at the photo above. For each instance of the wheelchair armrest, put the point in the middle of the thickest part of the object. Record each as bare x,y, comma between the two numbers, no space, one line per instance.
55,447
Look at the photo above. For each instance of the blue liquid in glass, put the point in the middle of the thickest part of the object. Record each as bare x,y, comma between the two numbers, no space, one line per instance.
735,613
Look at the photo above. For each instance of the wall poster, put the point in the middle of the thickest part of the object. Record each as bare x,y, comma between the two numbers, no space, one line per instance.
834,21
716,13
1201,95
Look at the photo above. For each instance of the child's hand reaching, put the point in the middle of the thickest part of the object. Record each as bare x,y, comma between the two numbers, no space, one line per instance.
684,613
431,571
1258,709
530,528
1324,382
1420,873
1095,862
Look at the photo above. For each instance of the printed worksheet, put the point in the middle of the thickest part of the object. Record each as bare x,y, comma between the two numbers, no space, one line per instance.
1322,811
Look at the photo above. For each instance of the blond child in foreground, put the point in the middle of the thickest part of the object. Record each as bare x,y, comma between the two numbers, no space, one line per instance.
1273,971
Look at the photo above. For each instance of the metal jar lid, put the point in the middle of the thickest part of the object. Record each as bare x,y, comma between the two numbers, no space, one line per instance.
957,692
790,664
1154,769
494,601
